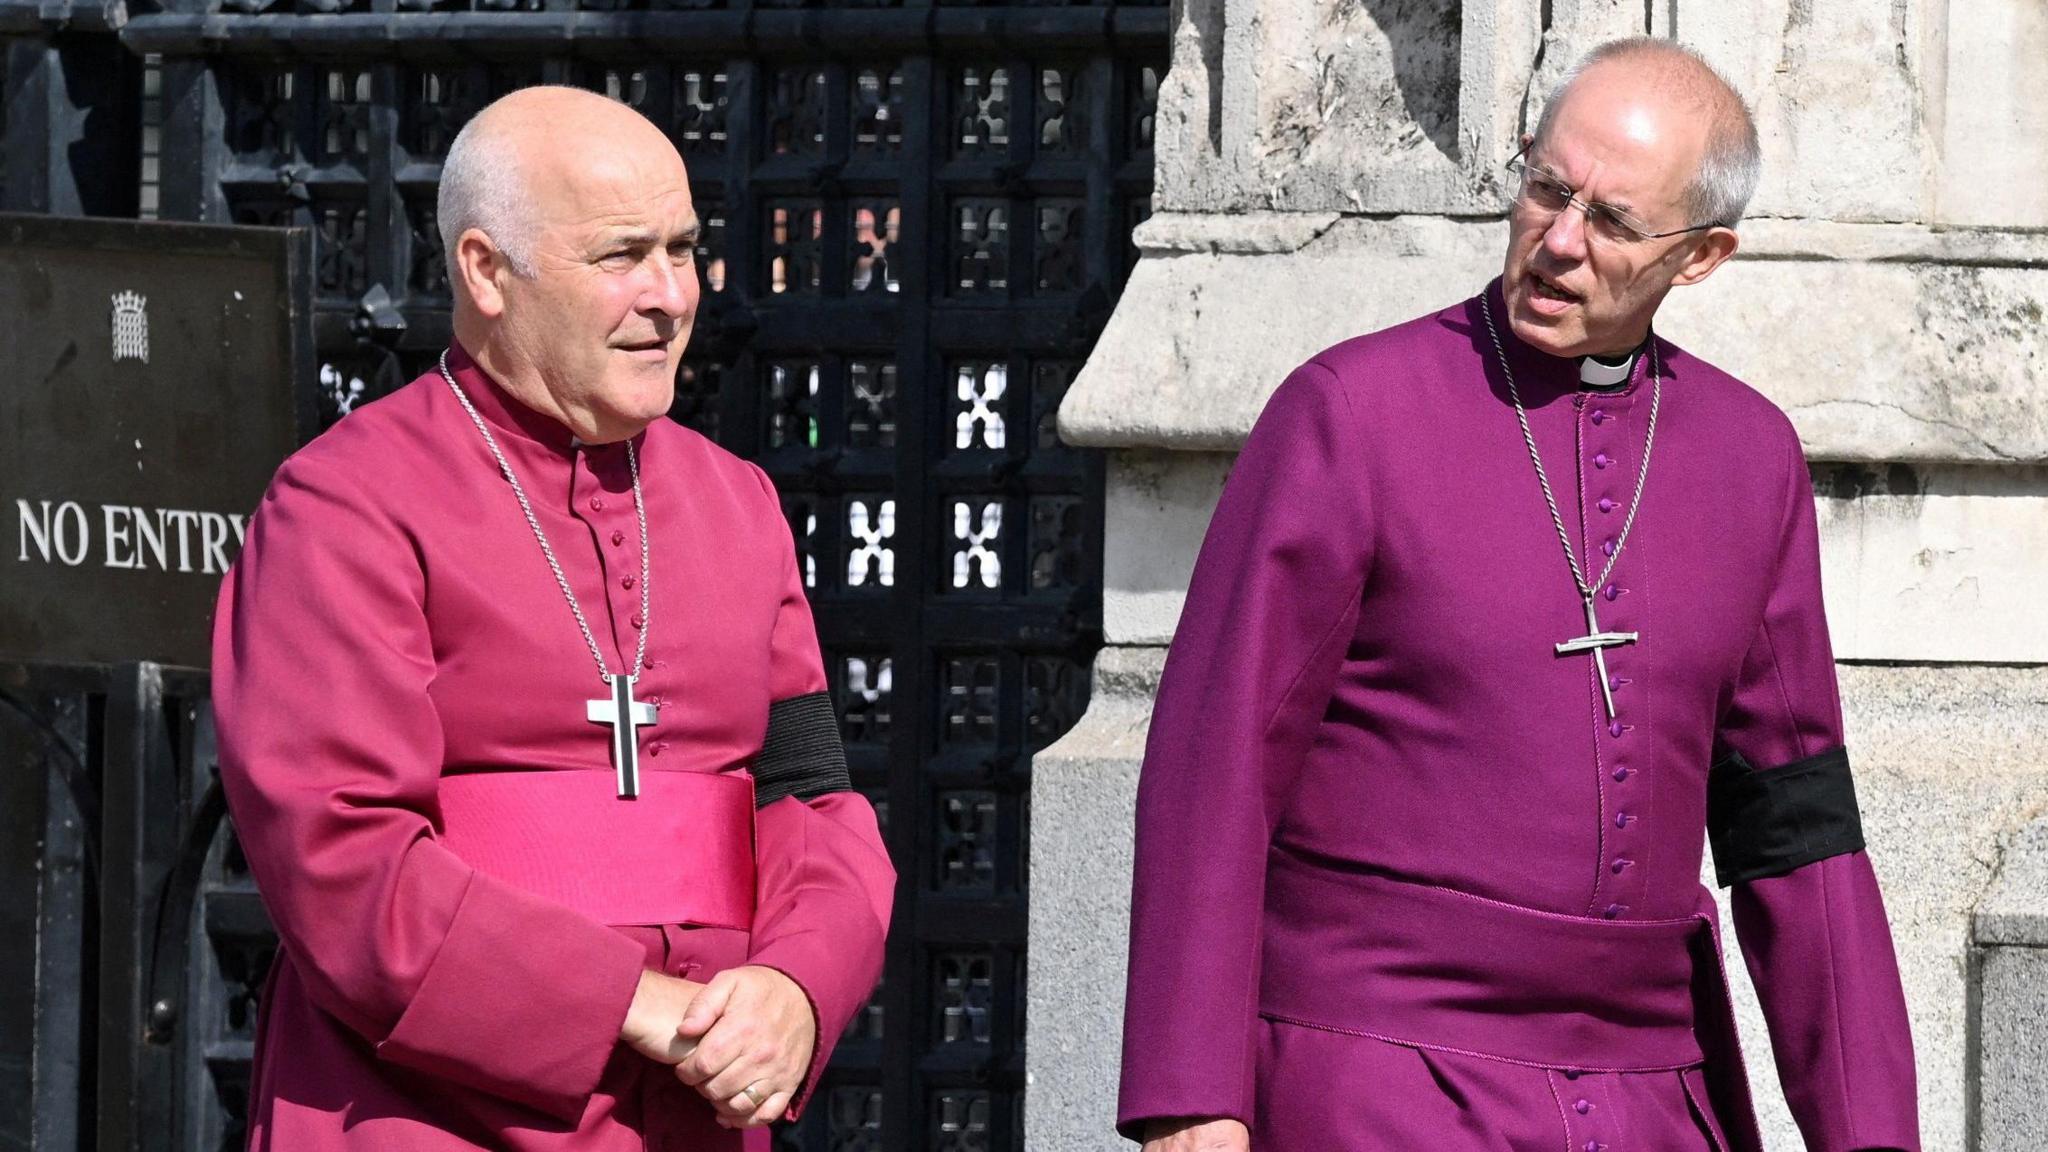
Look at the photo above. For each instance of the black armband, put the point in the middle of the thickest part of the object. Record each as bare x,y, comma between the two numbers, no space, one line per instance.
801,756
1767,823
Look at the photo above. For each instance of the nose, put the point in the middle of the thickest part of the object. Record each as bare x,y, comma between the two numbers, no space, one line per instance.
672,291
1566,236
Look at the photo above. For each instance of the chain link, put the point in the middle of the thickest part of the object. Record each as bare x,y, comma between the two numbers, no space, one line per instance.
1635,502
533,522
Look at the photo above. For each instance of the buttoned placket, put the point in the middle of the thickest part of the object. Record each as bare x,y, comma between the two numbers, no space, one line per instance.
1609,444
601,495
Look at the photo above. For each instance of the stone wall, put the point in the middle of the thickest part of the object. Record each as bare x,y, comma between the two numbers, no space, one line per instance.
1328,167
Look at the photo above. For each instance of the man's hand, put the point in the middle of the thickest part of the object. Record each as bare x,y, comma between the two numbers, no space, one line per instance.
753,1028
653,1023
1196,1136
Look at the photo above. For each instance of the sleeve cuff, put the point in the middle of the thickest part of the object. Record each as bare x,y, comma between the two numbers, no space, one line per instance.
835,980
524,1000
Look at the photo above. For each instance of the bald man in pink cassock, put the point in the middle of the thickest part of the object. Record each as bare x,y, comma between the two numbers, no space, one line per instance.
522,718
1505,614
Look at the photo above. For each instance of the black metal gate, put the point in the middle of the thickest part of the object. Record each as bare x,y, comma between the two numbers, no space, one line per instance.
916,224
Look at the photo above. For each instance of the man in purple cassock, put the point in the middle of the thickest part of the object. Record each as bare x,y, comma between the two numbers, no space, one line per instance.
1504,615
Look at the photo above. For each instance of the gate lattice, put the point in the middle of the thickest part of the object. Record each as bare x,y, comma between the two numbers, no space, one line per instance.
915,226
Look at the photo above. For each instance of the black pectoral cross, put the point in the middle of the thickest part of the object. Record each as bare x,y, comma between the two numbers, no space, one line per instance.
625,715
1598,642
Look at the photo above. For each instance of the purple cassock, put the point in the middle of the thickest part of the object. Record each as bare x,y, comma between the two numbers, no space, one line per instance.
1401,881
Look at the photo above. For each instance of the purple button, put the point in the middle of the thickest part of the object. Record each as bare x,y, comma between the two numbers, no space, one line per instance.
1621,819
1608,546
626,581
1602,460
1606,505
638,622
1616,681
1619,866
1620,774
1614,727
1612,592
597,503
1582,1107
619,538
1593,1146
656,748
1614,911
1599,415
1572,1073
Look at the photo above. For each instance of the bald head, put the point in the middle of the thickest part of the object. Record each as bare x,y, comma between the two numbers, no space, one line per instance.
525,147
1651,77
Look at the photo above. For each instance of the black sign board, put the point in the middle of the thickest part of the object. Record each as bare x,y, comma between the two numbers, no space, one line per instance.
150,383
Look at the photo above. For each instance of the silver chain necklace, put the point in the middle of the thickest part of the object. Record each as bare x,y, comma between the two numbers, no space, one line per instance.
1595,641
621,711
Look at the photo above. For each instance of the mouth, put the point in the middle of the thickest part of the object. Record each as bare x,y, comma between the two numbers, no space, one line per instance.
652,349
1549,297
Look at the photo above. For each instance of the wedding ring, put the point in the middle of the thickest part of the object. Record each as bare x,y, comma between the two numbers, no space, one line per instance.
756,1097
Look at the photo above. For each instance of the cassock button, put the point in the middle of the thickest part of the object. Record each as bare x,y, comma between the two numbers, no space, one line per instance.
1621,819
626,581
1619,866
1620,774
656,748
1607,546
1594,1146
1599,415
1614,911
1612,592
1606,505
1582,1107
1602,460
597,503
638,622
1614,727
619,538
1571,1073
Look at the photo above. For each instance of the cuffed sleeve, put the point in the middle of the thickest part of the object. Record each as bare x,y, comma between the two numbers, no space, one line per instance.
1273,601
331,756
1814,937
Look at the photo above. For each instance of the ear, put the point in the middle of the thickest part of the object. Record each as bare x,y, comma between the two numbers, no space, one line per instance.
1708,253
481,268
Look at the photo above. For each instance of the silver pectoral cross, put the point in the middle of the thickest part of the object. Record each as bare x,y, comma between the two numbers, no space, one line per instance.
625,715
1598,642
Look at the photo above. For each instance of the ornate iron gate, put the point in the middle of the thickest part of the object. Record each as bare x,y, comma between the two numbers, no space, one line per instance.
916,220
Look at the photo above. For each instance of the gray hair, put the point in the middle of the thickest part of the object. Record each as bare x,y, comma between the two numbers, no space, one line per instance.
1728,174
483,187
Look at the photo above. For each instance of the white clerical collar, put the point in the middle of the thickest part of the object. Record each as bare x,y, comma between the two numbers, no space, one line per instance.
1597,373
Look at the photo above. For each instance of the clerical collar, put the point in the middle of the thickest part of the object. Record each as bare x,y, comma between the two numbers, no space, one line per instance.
1605,374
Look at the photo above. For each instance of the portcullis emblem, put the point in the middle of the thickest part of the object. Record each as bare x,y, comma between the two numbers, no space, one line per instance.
131,326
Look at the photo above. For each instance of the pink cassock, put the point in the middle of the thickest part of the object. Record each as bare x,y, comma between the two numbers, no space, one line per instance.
1401,882
392,625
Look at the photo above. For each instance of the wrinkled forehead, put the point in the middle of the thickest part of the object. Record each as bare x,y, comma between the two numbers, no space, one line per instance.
1630,148
642,188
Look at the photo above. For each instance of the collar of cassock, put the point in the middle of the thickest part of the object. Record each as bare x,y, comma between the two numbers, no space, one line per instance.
1607,374
508,418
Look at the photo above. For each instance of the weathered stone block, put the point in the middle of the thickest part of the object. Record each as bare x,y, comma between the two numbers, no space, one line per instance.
1994,167
1883,343
2010,1058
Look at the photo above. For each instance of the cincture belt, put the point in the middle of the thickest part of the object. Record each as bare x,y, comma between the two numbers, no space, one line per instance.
682,853
1432,967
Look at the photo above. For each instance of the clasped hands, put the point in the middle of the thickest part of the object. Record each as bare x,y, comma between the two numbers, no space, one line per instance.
748,1028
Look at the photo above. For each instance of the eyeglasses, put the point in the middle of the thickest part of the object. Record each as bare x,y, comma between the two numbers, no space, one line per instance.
1605,223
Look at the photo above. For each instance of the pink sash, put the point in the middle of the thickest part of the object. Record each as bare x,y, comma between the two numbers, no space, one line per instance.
682,853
